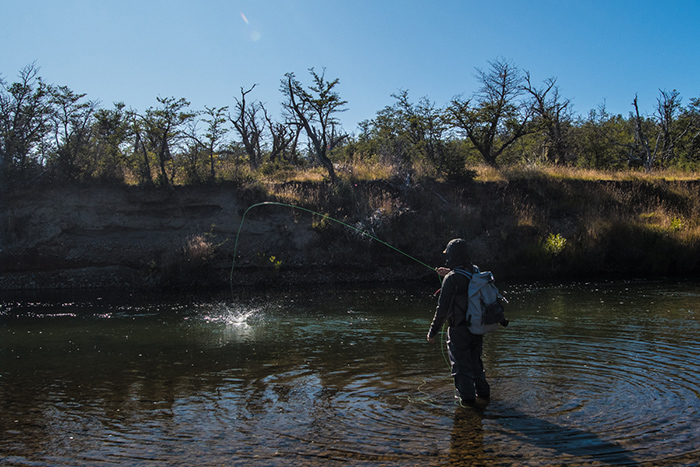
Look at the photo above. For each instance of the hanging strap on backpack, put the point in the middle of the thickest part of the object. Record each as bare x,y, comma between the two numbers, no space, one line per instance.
468,275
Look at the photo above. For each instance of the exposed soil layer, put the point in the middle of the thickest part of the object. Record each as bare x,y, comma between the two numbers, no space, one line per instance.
148,238
154,238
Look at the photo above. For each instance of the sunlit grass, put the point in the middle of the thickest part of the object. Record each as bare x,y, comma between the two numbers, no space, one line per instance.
487,173
540,218
579,173
365,169
295,174
287,194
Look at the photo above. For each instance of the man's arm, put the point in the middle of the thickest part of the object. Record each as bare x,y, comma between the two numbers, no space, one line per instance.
443,308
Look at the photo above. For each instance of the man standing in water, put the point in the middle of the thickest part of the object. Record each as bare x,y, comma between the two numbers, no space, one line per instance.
464,348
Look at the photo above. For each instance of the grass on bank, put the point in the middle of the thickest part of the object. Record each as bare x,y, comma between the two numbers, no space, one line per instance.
523,221
485,173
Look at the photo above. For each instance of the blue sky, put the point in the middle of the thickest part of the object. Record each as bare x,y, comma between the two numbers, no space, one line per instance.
206,50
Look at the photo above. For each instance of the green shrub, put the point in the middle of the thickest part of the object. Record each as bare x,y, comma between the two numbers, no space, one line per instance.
554,244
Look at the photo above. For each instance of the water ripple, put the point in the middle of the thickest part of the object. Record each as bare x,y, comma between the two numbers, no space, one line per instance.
579,378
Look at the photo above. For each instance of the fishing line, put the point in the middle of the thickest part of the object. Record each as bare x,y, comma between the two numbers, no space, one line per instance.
426,398
356,229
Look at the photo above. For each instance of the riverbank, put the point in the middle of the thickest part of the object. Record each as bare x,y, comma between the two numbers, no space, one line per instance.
526,226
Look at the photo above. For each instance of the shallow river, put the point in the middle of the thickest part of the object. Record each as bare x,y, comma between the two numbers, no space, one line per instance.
586,374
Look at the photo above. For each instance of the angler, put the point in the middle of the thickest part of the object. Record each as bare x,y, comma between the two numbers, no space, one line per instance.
470,305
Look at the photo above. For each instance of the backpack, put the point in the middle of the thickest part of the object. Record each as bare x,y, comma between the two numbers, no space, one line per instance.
484,302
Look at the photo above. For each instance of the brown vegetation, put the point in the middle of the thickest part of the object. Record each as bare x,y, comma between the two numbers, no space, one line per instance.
522,224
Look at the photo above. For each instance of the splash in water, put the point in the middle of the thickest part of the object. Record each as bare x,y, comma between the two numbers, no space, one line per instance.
237,316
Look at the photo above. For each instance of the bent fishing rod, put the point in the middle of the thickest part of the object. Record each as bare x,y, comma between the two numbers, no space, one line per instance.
311,211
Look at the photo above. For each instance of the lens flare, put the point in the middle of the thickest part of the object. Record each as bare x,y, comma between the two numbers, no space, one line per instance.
245,20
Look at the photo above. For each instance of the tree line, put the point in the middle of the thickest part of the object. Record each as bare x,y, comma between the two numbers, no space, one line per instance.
49,131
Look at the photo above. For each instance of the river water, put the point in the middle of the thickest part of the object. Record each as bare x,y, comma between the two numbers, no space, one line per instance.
586,374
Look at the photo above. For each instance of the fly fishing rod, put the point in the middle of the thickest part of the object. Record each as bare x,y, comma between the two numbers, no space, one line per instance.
344,224
300,208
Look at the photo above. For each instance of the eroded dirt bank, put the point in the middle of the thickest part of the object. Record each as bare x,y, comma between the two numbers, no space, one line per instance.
146,238
151,238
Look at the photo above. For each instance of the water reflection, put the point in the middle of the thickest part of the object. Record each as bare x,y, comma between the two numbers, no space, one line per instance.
586,374
467,438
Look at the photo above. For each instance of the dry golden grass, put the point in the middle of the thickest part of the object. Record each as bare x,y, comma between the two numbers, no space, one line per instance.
287,194
360,169
487,173
372,169
294,174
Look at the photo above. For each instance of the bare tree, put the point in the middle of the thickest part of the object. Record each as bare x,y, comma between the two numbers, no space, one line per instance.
249,127
668,129
692,114
554,116
671,131
496,116
314,109
283,137
641,140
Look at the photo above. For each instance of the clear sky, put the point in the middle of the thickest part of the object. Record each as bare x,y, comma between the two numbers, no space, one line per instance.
600,51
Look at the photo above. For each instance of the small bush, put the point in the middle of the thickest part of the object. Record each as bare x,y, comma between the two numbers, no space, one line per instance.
554,244
263,260
677,224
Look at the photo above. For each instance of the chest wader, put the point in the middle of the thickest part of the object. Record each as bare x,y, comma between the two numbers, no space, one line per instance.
464,350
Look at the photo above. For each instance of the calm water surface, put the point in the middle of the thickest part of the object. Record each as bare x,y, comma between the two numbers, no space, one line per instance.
587,374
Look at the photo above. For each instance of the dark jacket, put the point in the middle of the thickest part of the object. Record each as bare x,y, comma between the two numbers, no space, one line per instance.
452,304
